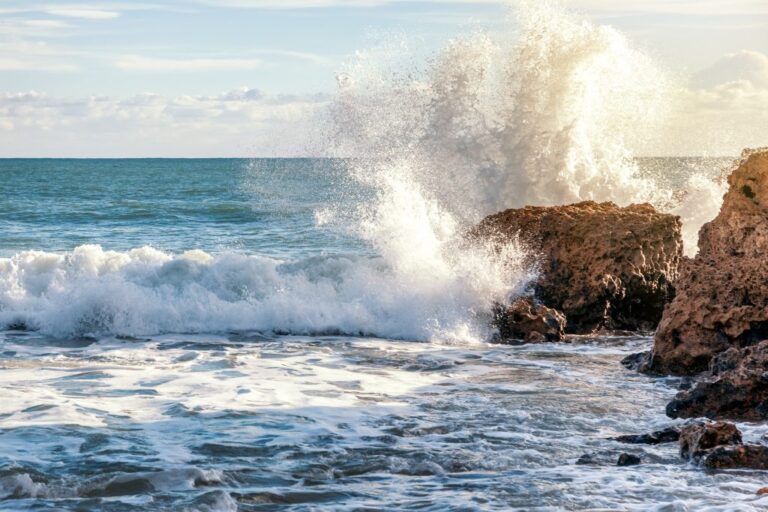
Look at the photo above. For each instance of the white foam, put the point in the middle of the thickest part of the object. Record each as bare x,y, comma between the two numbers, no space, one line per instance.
145,291
546,114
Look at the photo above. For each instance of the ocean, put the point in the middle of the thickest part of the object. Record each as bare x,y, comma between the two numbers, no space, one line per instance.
221,335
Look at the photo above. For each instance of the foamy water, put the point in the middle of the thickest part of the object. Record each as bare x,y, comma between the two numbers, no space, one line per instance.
219,335
252,422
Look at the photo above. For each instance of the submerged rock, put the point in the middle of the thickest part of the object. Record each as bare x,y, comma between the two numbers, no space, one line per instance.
525,320
627,459
698,438
737,389
609,458
722,294
603,266
668,435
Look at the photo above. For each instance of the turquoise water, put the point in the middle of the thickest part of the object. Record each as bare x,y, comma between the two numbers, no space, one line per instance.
264,206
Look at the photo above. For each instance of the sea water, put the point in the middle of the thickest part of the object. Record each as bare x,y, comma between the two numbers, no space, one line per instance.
196,339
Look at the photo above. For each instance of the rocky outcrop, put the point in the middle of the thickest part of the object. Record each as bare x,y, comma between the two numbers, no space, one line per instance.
527,321
603,266
747,456
722,294
737,388
697,439
719,446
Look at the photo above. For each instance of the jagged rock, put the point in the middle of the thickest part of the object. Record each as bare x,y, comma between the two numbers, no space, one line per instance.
698,438
722,294
737,389
603,266
747,456
668,435
530,322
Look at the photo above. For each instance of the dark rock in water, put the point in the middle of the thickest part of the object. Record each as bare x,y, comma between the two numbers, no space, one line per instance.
747,456
698,438
722,294
609,458
762,491
668,435
738,388
525,320
586,460
627,459
636,361
603,266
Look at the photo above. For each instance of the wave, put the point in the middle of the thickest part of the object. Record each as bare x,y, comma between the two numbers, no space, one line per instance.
546,114
93,292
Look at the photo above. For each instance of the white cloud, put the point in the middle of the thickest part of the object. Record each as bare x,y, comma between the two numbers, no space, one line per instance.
723,111
743,66
140,63
13,64
88,14
240,122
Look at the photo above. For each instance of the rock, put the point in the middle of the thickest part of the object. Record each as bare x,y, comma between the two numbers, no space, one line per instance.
603,266
737,389
722,294
627,459
668,435
608,458
762,491
525,320
636,361
747,456
698,438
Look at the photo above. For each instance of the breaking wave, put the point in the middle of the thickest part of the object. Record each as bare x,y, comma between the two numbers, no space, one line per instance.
544,117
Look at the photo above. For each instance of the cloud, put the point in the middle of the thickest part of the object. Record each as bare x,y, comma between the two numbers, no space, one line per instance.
743,66
239,122
13,64
724,110
139,63
88,14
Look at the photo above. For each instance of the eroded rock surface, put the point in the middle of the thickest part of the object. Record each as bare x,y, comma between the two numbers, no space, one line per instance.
737,388
530,322
698,438
747,456
722,294
603,266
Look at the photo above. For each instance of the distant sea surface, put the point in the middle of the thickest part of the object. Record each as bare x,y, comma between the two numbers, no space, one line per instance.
223,334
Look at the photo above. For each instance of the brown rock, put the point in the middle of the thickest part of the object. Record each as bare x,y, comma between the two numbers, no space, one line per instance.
762,491
722,294
747,456
696,439
530,322
603,266
738,388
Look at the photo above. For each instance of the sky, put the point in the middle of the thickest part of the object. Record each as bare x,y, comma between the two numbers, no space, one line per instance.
193,78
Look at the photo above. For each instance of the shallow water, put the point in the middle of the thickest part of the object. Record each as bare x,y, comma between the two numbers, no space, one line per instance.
253,422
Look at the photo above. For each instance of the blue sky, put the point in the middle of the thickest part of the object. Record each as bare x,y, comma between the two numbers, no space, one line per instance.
56,57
